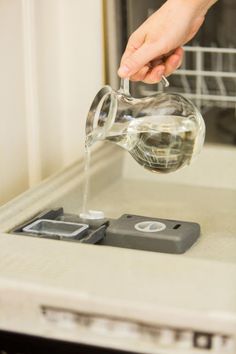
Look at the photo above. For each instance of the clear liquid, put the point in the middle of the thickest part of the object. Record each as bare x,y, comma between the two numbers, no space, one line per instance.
162,147
162,152
87,160
160,144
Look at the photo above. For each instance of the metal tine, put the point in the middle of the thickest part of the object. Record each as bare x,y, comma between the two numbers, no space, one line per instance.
183,78
204,83
232,64
210,90
219,80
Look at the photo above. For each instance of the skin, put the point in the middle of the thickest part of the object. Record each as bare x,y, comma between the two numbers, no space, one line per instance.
154,49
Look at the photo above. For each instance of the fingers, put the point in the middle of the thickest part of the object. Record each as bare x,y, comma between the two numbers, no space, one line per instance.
137,55
131,64
135,41
174,61
170,27
141,74
154,75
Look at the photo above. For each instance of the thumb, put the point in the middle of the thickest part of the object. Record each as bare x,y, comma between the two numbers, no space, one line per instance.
142,56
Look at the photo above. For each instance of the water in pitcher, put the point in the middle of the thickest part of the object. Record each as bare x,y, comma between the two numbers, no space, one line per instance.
155,143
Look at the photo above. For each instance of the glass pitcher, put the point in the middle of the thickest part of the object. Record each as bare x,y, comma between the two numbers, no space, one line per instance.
162,132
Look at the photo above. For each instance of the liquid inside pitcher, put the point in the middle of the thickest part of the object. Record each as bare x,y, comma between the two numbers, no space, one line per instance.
163,132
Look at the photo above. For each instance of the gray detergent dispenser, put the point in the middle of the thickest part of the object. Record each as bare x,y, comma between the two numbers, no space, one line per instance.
128,231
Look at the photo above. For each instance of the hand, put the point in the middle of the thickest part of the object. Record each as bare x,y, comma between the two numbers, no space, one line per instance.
154,49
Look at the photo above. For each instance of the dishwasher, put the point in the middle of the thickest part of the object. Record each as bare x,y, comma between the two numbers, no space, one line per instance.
83,295
70,286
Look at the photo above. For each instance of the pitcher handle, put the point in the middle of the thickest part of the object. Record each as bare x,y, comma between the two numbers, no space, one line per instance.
124,87
164,81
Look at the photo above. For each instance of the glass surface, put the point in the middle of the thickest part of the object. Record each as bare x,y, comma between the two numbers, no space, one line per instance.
162,132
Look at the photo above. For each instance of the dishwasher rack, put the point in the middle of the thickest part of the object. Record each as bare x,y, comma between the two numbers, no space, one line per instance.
207,76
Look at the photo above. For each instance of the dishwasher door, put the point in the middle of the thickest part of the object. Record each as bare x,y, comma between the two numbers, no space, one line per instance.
118,298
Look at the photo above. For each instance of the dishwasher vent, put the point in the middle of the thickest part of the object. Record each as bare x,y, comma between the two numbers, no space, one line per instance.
126,331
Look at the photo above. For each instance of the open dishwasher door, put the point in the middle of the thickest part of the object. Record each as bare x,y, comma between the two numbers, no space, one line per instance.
98,296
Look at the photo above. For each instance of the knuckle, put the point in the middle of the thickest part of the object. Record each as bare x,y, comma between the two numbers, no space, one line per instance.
133,41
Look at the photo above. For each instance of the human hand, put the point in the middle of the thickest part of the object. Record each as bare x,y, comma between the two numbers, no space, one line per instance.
154,49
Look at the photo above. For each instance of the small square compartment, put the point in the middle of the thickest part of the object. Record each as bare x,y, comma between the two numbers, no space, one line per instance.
56,228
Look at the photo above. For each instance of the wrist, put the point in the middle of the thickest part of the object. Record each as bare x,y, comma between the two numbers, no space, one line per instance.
197,7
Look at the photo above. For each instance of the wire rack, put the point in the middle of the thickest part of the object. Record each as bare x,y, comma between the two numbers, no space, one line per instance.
207,76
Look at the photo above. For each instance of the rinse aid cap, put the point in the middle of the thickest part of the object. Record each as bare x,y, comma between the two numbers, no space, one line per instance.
150,226
92,215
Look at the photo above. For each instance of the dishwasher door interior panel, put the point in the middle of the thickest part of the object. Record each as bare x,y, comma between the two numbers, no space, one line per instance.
120,298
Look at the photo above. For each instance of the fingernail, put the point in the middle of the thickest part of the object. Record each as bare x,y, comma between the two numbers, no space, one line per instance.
123,71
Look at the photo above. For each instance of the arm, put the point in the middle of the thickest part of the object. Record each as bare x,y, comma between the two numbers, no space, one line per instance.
154,49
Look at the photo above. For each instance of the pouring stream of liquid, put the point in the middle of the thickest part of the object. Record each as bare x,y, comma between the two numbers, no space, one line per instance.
124,87
87,160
